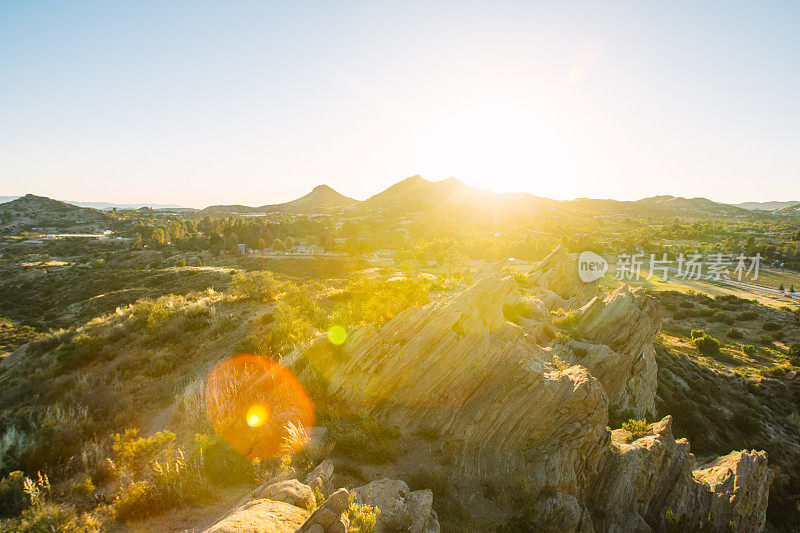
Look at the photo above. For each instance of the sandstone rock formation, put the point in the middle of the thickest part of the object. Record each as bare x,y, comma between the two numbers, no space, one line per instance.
652,483
290,491
400,509
556,282
261,516
328,517
320,478
620,330
509,406
460,366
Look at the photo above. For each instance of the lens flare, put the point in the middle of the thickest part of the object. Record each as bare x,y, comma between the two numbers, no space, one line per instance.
257,415
337,335
258,406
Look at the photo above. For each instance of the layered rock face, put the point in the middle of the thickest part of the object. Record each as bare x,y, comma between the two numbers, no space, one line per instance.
458,365
504,397
652,483
618,333
557,283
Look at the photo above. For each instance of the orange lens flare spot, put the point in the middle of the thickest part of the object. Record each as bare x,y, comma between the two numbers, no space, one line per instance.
258,406
257,415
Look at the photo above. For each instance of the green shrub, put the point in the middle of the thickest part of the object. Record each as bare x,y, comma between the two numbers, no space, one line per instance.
723,317
707,312
362,517
734,333
13,499
747,315
706,345
260,286
748,349
794,354
776,371
156,475
771,326
746,421
135,455
637,428
686,304
778,335
81,349
697,333
219,462
84,488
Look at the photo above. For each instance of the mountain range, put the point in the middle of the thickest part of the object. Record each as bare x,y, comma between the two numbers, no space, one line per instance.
449,196
768,206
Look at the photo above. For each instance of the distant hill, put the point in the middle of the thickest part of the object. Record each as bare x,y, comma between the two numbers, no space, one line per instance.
418,194
39,213
788,209
767,206
322,198
656,206
105,206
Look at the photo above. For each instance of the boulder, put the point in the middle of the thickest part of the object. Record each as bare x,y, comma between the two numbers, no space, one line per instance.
320,478
329,514
290,491
400,509
261,516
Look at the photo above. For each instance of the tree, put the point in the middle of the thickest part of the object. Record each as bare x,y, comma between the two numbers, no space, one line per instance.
158,237
780,287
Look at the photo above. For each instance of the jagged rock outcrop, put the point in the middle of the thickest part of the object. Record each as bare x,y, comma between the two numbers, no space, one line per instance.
400,509
651,484
460,366
620,329
508,406
556,281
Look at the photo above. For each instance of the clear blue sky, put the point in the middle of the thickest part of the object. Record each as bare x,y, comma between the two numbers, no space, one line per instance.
200,103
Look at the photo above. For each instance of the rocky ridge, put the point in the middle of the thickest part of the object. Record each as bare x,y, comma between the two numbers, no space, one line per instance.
514,402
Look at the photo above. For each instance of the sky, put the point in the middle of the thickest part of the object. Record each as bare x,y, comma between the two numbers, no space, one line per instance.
198,102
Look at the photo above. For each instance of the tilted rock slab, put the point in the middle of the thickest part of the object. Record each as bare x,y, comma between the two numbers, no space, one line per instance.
459,366
557,282
651,484
619,330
